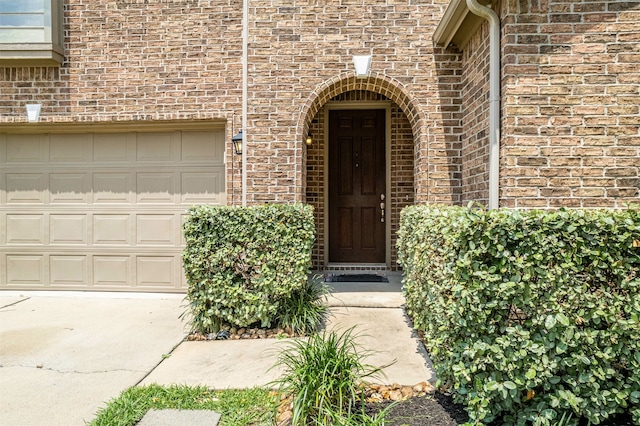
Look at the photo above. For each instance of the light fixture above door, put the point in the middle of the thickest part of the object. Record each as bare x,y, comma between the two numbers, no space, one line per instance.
362,64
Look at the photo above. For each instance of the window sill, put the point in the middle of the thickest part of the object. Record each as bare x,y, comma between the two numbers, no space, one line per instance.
30,55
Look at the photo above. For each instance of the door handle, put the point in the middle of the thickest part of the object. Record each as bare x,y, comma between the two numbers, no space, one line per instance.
382,205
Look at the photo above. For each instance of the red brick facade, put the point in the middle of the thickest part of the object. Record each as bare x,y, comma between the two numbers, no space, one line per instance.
570,120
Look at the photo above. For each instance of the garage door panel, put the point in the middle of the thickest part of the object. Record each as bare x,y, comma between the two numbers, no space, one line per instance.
198,187
114,148
26,188
27,149
71,148
112,271
69,187
198,147
103,211
155,187
25,269
156,147
112,229
25,229
156,271
156,230
68,270
65,229
114,187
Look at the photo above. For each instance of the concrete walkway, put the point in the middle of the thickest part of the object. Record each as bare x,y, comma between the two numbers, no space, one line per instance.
64,355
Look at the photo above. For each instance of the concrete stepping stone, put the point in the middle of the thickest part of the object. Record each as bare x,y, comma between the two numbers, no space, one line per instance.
180,417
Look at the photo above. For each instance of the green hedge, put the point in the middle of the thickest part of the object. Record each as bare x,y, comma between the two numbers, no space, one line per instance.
242,262
528,315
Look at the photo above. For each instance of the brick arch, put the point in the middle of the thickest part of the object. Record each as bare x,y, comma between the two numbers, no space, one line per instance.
379,83
390,88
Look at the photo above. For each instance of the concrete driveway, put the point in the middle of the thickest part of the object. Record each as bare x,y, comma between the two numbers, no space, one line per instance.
64,354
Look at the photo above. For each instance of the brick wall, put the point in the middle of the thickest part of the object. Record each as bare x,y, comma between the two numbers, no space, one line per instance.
162,60
570,90
402,185
475,118
571,99
300,55
135,60
315,186
444,144
132,60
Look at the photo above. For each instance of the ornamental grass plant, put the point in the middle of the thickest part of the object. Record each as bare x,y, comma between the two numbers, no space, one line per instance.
324,375
305,311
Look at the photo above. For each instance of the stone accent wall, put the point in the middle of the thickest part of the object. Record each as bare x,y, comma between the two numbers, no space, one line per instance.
571,99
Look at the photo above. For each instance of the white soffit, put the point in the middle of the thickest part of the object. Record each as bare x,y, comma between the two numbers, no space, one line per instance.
457,25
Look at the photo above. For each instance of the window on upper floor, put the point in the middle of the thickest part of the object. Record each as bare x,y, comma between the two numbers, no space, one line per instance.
31,32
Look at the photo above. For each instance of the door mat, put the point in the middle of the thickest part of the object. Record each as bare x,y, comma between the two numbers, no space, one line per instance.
355,278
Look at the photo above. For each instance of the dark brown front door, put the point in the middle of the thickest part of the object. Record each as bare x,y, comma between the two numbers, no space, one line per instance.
357,186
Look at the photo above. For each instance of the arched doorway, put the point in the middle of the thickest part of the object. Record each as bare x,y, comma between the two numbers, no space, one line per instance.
358,175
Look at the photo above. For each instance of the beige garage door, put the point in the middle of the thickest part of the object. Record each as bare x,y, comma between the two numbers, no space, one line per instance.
102,211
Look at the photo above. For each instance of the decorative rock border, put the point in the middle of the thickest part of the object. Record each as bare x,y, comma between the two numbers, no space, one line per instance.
372,393
238,333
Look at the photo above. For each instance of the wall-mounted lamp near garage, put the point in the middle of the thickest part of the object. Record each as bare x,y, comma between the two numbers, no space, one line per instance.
33,113
362,64
308,140
236,140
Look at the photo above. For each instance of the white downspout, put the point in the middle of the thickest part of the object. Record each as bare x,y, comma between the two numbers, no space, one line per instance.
494,98
245,92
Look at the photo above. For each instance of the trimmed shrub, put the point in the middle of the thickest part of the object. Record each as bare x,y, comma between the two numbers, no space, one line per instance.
529,315
242,262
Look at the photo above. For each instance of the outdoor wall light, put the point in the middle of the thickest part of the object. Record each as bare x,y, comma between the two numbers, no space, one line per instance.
33,112
236,140
362,64
308,140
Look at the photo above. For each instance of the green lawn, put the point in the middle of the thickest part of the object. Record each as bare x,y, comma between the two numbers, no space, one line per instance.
238,407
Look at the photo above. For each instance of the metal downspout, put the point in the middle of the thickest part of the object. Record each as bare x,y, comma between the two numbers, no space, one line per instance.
245,92
494,98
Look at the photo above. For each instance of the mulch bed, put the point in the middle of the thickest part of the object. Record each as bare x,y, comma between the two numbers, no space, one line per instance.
440,410
433,410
